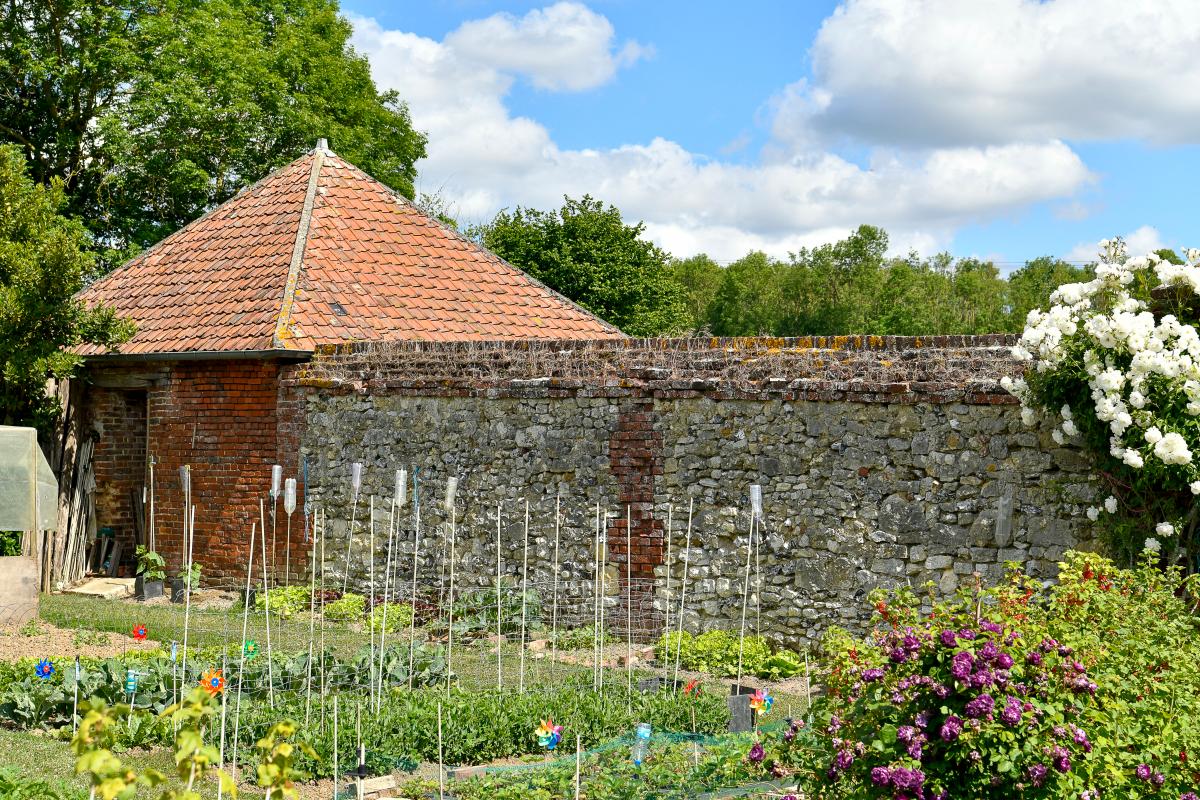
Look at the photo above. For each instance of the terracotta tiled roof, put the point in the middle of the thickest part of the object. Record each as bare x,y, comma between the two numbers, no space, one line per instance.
319,253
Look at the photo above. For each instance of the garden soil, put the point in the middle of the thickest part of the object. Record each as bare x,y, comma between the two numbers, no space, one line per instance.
42,640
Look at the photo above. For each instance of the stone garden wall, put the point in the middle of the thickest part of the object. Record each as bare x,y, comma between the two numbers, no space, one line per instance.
882,461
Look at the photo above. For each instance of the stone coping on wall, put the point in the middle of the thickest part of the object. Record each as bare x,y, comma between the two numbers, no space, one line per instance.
878,369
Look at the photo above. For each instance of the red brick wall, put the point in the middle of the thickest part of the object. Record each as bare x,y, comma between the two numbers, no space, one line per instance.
118,419
230,421
635,459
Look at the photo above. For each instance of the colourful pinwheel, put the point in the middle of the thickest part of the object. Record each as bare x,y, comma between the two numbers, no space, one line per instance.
213,682
548,734
693,688
250,649
761,702
44,669
139,632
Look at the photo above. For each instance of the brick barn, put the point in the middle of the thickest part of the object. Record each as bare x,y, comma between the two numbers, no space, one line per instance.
315,254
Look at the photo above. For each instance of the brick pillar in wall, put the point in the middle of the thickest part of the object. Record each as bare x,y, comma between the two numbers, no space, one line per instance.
635,460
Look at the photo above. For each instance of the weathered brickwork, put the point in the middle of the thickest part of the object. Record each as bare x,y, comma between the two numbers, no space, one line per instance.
882,462
117,420
230,420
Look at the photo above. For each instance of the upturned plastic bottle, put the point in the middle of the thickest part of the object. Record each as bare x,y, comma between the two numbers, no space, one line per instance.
641,743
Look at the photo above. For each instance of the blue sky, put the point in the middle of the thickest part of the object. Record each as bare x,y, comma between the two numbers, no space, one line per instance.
998,128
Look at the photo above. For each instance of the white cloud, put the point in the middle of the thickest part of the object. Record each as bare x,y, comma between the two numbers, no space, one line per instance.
1138,242
482,158
946,72
565,46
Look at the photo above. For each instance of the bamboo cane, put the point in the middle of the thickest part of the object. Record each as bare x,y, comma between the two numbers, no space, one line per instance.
237,712
524,597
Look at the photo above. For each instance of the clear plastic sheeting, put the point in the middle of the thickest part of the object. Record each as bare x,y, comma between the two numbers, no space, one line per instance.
28,489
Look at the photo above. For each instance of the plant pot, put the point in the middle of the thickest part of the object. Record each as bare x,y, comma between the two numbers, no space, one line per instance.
178,590
147,590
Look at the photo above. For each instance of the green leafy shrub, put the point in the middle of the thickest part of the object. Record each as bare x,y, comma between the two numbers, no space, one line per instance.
284,601
475,612
350,607
716,652
1022,691
399,617
150,565
15,787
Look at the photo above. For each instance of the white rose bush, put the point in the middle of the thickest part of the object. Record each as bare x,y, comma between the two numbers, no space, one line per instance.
1115,364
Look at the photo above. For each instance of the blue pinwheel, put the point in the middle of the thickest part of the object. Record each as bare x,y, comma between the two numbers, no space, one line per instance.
44,669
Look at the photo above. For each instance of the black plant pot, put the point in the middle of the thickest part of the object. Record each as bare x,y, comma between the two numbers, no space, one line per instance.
178,590
147,590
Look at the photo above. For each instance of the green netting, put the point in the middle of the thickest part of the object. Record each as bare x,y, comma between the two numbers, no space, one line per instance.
657,741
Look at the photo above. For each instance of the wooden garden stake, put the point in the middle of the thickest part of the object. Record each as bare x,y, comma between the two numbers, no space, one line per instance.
451,489
687,550
361,753
524,595
603,580
224,706
387,571
499,626
667,591
75,707
755,493
578,758
441,762
266,607
597,639
190,526
237,710
629,606
554,602
312,625
371,594
335,747
355,485
412,625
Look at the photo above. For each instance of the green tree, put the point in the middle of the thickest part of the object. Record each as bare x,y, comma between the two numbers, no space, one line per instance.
151,113
44,259
748,302
587,253
700,278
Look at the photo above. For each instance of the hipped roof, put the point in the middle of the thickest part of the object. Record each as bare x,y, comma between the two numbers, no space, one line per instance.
318,253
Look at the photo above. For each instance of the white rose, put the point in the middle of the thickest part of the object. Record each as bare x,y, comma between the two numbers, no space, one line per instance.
1028,416
1153,435
1195,487
1110,504
1153,545
1137,399
1066,412
1093,513
1133,458
1164,529
1069,428
1057,436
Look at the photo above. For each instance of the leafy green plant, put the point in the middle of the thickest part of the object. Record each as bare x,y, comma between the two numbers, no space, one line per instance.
285,601
716,652
10,543
1022,690
150,565
350,607
276,768
15,787
190,577
475,612
399,616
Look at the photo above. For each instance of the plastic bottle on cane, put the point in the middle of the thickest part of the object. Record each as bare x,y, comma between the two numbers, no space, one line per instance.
641,743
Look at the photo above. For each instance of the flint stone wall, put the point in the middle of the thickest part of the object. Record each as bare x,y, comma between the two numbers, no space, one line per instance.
882,461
